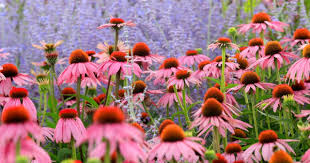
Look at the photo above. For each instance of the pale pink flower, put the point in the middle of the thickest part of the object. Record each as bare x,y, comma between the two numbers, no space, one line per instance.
214,68
11,73
192,57
68,126
118,62
300,70
94,82
250,81
166,70
68,95
182,78
263,150
260,23
109,124
273,54
117,23
200,73
142,54
107,50
211,114
278,93
140,91
301,36
304,113
256,46
19,96
17,125
48,133
176,146
4,55
300,88
80,66
28,148
233,152
223,42
169,98
306,157
244,63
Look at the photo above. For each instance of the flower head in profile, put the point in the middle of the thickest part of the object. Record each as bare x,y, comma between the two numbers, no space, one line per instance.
182,78
69,126
200,73
222,42
274,55
300,70
80,66
117,23
12,74
169,97
281,156
306,156
213,69
184,148
263,150
233,152
192,57
301,36
107,50
256,46
260,23
48,47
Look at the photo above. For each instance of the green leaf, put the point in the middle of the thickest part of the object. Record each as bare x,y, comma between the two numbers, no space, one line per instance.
176,113
214,80
63,153
90,100
192,105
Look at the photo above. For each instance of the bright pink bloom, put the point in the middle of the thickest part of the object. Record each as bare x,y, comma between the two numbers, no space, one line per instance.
11,73
140,90
182,78
28,148
176,146
94,82
214,68
268,139
4,55
304,113
256,46
192,57
223,42
17,124
273,54
109,123
233,152
300,88
118,62
300,70
68,95
211,114
200,73
306,156
142,53
80,66
48,133
19,96
260,22
107,50
301,36
278,93
169,98
250,81
117,23
68,126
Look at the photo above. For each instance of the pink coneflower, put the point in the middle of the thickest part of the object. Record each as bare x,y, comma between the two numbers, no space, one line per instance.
250,81
256,46
169,98
107,50
214,68
278,93
182,78
17,124
300,69
273,53
68,94
94,82
210,115
192,57
142,53
268,139
176,146
223,42
118,62
233,152
243,65
139,91
68,126
109,123
260,23
11,73
300,88
19,96
219,159
200,73
281,156
229,98
301,36
237,134
117,23
80,66
166,70
4,55
229,109
28,148
48,133
306,156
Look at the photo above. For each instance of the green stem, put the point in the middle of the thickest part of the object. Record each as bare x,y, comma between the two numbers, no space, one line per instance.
84,101
78,92
40,103
188,121
116,39
167,111
45,109
280,122
108,91
254,115
251,8
52,92
18,146
248,105
107,153
180,104
216,140
148,112
179,117
118,157
285,122
118,77
268,120
73,149
278,72
223,71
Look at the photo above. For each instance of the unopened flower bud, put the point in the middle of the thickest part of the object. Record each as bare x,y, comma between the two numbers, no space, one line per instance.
93,160
22,159
210,155
288,101
199,50
188,133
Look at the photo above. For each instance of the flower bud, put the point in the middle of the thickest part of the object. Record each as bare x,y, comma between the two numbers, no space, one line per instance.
21,159
93,160
199,50
232,32
210,155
